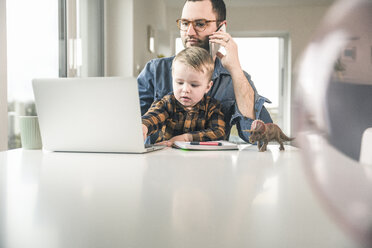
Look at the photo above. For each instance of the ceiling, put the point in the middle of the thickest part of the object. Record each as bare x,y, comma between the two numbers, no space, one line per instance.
245,3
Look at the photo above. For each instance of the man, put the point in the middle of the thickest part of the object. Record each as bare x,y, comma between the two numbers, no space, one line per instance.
241,104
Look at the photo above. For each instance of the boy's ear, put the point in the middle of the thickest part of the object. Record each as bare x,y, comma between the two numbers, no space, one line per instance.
209,86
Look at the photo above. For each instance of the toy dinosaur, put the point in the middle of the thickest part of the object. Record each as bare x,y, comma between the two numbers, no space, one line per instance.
263,133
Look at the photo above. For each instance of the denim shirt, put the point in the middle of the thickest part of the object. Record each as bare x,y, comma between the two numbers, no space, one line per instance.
155,81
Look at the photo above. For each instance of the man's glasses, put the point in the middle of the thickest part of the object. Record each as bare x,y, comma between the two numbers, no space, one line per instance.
199,25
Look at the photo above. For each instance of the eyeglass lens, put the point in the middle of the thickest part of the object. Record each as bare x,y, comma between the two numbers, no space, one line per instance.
198,25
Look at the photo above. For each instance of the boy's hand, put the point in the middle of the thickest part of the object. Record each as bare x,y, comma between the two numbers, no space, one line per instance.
144,132
183,137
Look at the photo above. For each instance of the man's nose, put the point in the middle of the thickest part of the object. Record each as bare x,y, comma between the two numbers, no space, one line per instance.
191,30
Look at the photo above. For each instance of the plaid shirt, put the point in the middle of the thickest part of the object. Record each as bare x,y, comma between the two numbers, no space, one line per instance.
204,122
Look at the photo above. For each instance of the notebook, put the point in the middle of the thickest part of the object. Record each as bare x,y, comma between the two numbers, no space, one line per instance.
207,145
90,115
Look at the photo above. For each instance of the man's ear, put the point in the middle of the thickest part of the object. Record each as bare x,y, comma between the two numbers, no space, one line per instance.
209,86
224,22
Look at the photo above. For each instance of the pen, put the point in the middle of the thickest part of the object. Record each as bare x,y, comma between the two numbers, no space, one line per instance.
206,143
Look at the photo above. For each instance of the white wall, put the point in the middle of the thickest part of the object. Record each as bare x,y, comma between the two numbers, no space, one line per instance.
118,42
128,56
126,24
125,56
3,79
147,13
299,21
91,33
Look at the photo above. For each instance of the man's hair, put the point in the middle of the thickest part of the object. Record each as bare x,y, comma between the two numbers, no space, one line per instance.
218,7
197,58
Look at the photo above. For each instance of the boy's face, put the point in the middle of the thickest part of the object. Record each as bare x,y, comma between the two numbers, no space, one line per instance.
189,85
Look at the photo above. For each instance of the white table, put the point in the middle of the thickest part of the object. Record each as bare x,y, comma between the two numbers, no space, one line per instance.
167,198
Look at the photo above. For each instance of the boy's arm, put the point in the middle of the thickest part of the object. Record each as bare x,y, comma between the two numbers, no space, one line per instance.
156,116
215,125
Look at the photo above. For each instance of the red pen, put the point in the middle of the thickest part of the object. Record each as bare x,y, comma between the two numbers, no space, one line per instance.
206,143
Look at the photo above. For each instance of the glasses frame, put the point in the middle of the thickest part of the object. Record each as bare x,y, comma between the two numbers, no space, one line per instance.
193,23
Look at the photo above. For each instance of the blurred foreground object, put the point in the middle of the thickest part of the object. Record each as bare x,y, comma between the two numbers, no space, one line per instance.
333,109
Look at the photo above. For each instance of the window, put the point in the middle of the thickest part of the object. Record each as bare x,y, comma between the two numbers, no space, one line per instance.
32,47
260,58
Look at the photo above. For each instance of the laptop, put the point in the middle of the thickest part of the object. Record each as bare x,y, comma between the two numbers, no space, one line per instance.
99,114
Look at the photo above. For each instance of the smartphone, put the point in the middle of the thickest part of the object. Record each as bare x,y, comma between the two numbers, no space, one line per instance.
213,47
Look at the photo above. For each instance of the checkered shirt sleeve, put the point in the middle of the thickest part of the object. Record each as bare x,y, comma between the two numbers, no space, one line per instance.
204,122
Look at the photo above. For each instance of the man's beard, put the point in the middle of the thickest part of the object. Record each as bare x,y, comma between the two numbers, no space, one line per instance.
201,43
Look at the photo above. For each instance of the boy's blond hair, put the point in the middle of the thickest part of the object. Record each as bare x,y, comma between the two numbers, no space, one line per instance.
198,58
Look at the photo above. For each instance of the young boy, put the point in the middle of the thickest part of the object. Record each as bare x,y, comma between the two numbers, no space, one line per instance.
187,114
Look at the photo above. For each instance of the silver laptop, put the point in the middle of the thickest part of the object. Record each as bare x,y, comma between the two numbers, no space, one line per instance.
90,115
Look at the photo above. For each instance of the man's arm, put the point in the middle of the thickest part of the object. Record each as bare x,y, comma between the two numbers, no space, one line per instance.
261,113
249,105
145,82
154,82
244,93
243,123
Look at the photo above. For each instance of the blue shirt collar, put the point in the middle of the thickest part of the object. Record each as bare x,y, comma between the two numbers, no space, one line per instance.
219,69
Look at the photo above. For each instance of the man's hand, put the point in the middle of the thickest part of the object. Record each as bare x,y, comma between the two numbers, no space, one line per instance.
231,59
244,93
183,137
144,132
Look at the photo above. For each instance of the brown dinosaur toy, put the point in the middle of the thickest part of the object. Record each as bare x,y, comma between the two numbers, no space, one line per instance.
263,133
